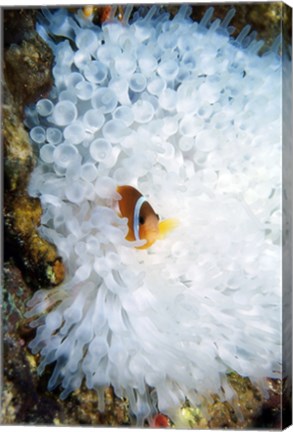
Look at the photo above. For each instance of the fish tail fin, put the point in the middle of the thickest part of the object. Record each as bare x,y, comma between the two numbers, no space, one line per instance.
166,226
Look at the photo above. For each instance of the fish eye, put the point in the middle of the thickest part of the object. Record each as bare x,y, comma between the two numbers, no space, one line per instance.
141,220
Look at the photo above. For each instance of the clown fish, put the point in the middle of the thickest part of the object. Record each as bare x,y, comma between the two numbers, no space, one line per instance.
143,222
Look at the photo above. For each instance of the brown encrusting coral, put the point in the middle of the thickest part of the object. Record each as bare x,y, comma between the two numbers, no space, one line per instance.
27,74
27,59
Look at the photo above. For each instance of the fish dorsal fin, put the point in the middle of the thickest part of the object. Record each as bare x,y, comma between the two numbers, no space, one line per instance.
137,208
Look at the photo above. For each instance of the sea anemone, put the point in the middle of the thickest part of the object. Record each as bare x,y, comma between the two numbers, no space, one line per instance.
191,118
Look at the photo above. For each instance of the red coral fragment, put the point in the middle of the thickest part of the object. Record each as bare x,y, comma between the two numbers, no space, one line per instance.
105,13
159,421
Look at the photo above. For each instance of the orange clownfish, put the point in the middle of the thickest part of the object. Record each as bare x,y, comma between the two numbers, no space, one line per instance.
143,222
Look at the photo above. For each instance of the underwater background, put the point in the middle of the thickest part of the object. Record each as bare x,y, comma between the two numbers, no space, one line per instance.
30,262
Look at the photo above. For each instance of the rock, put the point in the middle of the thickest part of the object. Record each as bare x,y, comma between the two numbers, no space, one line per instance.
27,72
22,402
27,60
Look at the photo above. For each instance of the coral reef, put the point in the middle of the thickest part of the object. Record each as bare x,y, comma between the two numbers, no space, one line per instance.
27,73
25,399
23,46
39,406
39,260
